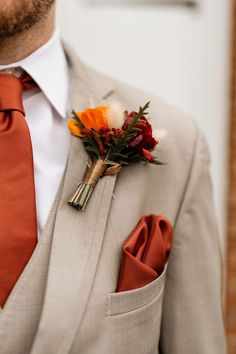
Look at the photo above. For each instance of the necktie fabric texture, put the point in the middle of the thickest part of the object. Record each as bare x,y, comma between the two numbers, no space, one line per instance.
18,222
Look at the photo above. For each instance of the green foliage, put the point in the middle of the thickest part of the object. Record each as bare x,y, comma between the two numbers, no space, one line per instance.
118,150
118,146
77,119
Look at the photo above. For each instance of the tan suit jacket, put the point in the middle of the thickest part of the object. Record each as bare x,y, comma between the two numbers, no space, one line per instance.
178,313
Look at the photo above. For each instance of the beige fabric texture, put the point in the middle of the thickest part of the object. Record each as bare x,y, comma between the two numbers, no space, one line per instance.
65,301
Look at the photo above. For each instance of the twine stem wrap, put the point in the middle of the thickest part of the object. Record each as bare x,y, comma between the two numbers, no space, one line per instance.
86,187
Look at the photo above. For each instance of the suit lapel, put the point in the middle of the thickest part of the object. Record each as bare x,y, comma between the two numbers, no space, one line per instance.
77,238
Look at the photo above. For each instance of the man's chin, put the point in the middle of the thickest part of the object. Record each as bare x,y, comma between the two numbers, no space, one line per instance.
9,29
17,16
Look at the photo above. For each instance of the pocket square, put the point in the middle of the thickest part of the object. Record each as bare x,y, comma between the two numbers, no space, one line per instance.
145,252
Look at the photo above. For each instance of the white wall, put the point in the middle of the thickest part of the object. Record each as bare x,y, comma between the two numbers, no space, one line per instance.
178,53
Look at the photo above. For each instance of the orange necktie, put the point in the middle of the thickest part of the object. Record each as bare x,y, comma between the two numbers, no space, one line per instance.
18,225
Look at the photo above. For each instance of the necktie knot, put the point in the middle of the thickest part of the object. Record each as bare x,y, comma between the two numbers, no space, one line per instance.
11,89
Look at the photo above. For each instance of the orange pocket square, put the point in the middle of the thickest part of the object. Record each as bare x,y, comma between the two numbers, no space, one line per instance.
145,252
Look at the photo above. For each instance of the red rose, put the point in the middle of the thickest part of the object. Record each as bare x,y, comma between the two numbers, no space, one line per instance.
144,141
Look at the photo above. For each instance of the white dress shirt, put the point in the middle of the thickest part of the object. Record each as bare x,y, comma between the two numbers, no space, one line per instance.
46,112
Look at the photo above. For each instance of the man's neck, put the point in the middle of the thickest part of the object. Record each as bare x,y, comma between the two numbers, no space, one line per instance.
15,48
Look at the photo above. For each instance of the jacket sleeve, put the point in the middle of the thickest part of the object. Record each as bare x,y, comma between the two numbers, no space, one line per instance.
192,317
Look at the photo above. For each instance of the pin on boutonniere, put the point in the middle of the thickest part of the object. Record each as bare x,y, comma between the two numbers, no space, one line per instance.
112,138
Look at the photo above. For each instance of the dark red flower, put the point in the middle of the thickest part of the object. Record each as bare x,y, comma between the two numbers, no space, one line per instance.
144,141
128,119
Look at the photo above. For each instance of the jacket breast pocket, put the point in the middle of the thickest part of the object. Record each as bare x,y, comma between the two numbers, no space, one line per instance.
128,301
134,318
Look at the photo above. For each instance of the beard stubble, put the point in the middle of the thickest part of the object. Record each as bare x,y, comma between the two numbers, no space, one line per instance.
17,16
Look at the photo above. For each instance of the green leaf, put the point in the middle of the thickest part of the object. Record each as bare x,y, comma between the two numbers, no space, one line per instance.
118,154
124,163
80,124
90,141
157,162
94,150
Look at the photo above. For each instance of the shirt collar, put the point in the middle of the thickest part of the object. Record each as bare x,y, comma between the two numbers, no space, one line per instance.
49,69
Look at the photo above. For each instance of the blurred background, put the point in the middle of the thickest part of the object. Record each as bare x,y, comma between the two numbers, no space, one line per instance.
182,51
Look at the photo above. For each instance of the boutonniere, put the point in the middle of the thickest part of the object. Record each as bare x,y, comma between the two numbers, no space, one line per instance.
113,138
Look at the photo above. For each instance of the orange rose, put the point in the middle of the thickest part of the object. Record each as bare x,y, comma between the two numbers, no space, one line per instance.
92,118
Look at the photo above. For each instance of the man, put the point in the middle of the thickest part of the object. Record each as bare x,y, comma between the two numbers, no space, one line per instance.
59,270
